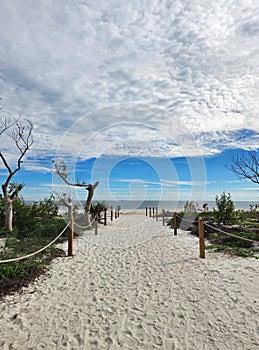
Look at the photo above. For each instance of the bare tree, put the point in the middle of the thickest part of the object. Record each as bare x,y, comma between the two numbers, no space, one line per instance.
21,135
62,171
6,123
246,166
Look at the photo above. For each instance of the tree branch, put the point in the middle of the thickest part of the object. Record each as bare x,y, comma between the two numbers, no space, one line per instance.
63,173
22,142
246,166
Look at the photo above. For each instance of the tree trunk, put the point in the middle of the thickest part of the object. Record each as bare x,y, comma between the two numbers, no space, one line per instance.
8,215
88,203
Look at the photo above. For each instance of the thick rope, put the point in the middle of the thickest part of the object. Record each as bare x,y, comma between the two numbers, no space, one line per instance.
217,229
84,227
38,251
231,234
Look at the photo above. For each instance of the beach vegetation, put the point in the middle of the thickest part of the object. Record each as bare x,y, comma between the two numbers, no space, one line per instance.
34,226
220,241
16,275
242,225
225,212
36,220
98,208
16,270
233,250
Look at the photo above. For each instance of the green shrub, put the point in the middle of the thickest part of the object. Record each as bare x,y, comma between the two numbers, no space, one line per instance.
244,253
98,208
14,270
39,219
225,209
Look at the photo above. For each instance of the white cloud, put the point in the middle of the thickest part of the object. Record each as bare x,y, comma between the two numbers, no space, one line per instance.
164,183
41,169
249,189
198,61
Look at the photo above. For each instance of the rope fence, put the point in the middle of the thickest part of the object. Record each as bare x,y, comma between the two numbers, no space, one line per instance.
201,224
114,213
38,251
231,234
85,227
72,225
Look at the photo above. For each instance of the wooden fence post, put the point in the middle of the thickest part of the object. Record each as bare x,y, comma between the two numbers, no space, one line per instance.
153,212
105,217
111,214
146,211
201,238
175,224
156,214
163,215
115,213
150,212
95,224
71,236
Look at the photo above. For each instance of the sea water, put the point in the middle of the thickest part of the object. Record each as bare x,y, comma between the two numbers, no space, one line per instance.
172,205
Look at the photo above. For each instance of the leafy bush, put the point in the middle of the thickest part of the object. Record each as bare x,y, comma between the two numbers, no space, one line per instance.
226,209
98,208
19,269
39,219
34,227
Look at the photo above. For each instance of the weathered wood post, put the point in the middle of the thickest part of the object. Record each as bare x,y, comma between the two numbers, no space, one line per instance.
115,213
175,224
201,238
71,232
156,214
150,212
146,211
163,216
111,213
153,212
95,224
105,217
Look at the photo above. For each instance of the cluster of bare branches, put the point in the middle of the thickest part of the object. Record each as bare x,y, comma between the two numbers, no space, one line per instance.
62,171
246,166
20,133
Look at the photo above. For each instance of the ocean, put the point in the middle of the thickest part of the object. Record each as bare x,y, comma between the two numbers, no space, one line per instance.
167,205
171,205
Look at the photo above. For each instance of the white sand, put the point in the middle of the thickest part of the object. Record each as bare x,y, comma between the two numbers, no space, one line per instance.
137,286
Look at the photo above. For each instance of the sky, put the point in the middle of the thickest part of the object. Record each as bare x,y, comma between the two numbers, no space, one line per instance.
150,98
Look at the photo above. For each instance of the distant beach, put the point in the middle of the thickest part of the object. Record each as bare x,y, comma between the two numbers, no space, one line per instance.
173,205
167,205
136,286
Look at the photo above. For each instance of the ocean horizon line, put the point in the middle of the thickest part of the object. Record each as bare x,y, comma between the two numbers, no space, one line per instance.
162,204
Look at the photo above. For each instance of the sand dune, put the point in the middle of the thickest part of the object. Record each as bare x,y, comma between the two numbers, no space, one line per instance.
137,286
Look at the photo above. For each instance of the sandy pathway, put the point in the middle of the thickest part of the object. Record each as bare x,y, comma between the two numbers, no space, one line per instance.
137,286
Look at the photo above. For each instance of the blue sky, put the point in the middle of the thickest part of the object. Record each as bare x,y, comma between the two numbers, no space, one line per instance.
150,98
